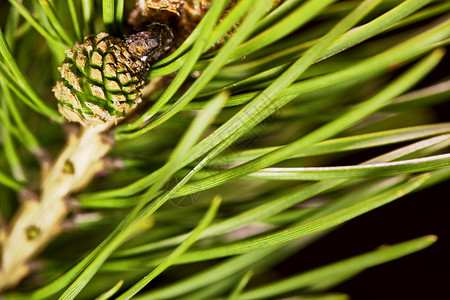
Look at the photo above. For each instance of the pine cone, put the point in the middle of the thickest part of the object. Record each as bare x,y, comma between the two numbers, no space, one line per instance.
102,77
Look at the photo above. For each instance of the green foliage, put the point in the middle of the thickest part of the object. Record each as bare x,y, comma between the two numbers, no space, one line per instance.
260,121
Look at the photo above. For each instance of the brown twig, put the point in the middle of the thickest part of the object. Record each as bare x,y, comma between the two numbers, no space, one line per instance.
40,218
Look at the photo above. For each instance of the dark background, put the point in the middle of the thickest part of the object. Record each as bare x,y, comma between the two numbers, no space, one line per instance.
422,275
425,274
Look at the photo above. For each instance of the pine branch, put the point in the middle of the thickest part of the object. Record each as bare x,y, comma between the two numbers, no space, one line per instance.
259,98
40,217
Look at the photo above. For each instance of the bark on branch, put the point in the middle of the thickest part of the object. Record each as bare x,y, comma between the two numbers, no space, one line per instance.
40,218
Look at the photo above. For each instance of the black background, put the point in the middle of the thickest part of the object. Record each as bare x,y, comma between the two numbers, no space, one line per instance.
423,275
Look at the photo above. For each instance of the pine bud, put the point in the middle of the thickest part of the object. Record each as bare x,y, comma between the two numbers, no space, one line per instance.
102,77
172,6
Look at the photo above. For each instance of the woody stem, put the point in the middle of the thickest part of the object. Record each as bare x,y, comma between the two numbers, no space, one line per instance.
39,219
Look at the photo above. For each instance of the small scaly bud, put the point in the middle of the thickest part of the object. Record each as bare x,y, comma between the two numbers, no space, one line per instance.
172,6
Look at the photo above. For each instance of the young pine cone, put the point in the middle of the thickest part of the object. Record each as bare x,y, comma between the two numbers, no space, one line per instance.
102,77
